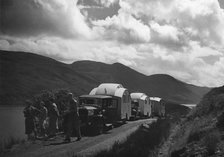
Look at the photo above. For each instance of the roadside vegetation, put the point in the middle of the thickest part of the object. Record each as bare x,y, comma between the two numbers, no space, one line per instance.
142,143
202,133
7,144
147,140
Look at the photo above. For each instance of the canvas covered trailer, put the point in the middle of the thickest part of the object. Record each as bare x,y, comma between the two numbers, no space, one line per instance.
120,97
158,106
141,103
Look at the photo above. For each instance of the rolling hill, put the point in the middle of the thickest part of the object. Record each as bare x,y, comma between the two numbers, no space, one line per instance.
160,85
25,74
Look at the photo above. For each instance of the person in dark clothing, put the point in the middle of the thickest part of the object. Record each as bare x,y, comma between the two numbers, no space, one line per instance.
42,116
29,120
71,119
53,115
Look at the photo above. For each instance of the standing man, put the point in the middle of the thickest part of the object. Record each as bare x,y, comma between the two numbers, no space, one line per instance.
42,118
29,120
53,115
71,119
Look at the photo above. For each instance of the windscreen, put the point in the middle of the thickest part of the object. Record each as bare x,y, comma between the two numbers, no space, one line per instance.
103,103
90,102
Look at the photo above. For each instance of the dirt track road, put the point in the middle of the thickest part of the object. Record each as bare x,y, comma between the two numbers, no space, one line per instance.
86,147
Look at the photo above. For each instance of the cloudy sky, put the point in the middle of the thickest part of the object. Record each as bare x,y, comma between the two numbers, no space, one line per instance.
182,38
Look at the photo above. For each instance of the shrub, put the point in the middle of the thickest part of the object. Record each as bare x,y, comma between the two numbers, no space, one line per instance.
220,122
200,126
211,140
212,102
59,96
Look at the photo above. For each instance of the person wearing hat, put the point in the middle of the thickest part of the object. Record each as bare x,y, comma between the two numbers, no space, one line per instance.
71,119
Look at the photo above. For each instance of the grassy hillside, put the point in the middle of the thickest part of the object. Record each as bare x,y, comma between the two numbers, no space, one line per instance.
161,85
25,74
202,133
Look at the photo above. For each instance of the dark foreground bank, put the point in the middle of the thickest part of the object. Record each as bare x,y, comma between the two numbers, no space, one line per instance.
144,142
147,140
202,133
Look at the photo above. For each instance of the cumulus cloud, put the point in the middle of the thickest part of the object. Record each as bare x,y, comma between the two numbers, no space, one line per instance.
44,17
188,66
200,20
123,27
183,38
172,23
205,17
97,3
4,44
70,50
107,3
168,36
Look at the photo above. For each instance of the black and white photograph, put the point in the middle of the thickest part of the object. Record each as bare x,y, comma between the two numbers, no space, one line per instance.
112,78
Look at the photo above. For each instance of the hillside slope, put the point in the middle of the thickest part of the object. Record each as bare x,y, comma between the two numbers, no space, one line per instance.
161,85
202,133
25,74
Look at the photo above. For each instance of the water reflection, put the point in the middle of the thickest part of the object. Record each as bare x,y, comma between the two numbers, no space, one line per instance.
11,122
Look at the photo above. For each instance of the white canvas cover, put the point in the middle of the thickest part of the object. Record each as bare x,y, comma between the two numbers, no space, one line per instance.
93,91
120,92
155,99
108,89
135,96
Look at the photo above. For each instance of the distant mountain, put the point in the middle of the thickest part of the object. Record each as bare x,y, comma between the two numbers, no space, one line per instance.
160,85
24,74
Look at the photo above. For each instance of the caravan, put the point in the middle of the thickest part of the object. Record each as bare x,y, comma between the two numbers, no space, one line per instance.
158,106
141,105
113,99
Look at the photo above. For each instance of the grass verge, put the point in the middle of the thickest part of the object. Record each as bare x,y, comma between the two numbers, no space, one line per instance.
7,144
142,143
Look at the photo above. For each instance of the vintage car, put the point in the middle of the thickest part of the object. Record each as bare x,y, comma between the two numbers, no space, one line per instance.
95,112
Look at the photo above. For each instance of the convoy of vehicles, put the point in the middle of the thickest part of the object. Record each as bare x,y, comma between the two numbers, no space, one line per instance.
110,103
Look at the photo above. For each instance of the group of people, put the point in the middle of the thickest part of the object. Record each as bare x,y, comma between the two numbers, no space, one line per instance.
42,120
